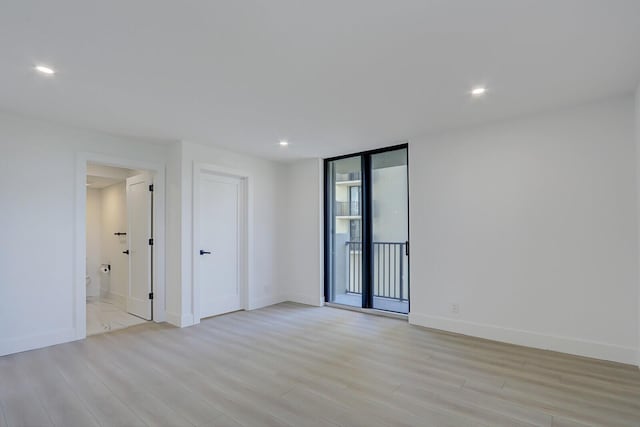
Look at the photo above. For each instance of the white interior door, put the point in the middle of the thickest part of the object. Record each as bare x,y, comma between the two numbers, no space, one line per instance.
218,243
139,233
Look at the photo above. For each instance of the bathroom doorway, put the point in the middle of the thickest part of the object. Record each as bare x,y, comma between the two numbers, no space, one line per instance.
119,247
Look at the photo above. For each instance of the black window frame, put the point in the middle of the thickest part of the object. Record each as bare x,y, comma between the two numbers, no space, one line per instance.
366,225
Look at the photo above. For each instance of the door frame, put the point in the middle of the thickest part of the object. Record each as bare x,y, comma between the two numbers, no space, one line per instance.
366,225
159,260
245,238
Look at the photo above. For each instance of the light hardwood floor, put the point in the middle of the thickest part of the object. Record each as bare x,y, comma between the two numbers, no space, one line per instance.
292,365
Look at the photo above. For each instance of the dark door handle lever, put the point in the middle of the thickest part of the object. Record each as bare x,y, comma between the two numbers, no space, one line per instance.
126,252
204,252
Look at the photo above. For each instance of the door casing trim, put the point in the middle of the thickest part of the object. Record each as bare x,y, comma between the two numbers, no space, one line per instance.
245,240
80,246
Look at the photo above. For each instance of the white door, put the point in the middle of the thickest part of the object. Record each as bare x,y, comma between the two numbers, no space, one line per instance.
217,243
139,233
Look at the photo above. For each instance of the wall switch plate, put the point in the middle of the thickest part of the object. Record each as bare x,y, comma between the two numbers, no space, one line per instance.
455,308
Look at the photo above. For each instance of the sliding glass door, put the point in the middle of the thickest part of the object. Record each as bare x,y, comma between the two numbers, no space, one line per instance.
344,189
367,229
390,231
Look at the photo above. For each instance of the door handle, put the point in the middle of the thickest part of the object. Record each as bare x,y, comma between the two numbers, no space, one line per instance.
204,252
126,252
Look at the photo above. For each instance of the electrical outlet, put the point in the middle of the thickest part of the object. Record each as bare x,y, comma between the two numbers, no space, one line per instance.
455,308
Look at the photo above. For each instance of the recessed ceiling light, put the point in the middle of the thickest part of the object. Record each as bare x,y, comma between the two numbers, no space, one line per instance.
284,143
45,70
478,91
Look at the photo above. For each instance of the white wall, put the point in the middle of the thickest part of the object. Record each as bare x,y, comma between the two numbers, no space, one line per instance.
94,240
37,188
302,265
173,220
114,219
268,199
531,227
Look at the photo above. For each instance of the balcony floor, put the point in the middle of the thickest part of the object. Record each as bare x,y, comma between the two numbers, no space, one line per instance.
379,303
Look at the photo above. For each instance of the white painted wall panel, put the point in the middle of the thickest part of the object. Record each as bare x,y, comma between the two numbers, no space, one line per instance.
94,240
37,210
531,227
302,268
114,219
268,206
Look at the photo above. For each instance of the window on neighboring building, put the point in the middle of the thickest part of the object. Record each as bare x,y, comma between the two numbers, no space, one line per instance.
354,200
355,233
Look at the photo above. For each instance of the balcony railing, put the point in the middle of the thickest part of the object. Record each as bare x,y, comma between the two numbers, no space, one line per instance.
389,269
347,209
349,176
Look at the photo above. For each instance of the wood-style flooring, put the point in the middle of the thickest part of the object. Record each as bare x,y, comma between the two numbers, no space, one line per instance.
293,365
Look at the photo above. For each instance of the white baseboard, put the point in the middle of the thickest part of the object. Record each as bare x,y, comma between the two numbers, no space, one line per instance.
180,321
265,302
17,345
568,345
313,300
189,319
174,319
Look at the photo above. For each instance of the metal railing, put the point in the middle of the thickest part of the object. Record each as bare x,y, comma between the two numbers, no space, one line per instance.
389,267
347,209
348,176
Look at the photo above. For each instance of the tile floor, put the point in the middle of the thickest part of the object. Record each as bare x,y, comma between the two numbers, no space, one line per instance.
104,315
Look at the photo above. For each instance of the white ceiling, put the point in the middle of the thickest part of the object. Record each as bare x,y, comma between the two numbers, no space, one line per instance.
330,76
100,176
99,182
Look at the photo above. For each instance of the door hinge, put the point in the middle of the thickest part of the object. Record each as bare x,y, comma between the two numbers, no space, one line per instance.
150,242
406,248
151,187
150,295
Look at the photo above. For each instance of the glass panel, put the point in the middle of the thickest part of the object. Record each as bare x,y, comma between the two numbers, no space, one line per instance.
390,223
345,233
